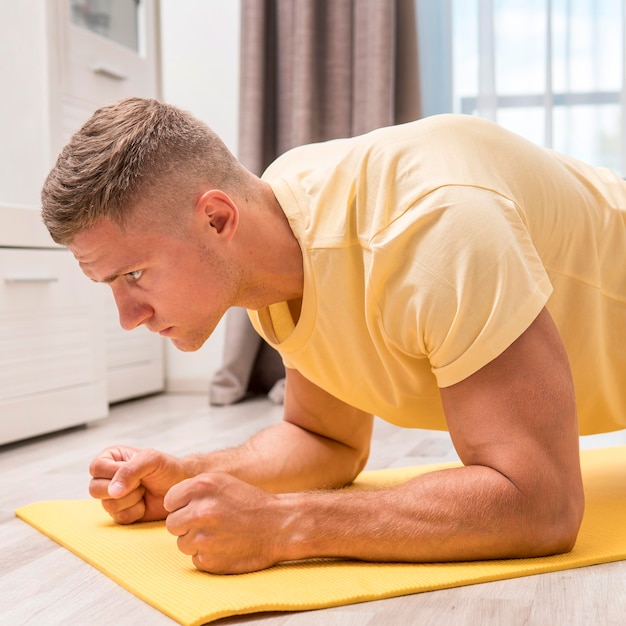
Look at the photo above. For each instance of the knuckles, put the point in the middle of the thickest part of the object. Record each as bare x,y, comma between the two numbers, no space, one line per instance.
130,516
208,484
98,488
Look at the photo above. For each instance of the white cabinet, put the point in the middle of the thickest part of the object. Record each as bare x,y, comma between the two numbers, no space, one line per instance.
56,72
108,51
52,372
62,360
134,360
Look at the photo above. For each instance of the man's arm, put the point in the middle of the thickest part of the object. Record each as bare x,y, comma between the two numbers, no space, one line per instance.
322,443
519,493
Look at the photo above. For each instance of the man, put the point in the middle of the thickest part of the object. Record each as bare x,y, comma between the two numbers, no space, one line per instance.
437,275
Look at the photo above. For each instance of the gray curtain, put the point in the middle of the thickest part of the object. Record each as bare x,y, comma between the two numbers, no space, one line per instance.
312,70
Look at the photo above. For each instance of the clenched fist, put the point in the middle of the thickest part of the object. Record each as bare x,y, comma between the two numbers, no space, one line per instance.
227,526
132,482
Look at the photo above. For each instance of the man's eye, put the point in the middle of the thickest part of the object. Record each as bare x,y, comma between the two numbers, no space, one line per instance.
135,275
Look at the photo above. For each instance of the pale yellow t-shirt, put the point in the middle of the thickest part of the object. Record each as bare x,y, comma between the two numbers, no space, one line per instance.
430,247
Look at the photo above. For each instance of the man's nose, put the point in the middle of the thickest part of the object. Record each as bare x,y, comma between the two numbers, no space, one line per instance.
132,312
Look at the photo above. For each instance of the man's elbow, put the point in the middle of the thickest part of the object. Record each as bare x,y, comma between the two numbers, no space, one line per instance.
558,531
569,524
353,463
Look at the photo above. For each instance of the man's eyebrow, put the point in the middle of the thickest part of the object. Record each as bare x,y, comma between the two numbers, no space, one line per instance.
112,277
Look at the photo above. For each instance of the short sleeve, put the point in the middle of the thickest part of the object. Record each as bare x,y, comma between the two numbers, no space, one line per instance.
458,280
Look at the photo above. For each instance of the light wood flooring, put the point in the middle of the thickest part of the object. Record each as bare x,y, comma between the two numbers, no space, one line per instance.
43,584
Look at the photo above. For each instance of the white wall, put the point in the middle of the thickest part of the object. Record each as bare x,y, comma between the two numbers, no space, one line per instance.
200,73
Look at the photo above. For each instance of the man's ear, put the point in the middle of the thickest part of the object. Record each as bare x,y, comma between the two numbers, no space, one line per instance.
219,212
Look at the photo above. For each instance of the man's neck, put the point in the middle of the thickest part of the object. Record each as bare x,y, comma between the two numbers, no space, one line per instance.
273,254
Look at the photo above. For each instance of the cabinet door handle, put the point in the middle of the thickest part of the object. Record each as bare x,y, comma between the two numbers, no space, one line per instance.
30,279
109,72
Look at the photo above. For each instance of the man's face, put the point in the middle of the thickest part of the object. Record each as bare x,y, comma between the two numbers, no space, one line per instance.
171,284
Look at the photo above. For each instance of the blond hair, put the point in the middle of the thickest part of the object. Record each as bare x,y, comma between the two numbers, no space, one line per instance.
127,151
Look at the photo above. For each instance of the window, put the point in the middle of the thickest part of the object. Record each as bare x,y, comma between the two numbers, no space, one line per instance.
550,70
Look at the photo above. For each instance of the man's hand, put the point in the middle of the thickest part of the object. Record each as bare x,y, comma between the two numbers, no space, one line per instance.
226,525
132,482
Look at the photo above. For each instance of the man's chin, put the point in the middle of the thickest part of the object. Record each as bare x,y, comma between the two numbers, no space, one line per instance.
187,345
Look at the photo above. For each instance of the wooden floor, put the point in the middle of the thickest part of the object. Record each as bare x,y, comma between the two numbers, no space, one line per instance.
43,584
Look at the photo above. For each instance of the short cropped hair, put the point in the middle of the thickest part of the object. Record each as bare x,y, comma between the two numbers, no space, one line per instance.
127,149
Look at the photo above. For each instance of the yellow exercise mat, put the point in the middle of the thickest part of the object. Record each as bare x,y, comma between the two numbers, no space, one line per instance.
144,558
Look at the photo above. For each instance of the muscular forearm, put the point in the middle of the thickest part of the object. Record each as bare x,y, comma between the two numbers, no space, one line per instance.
460,514
282,458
